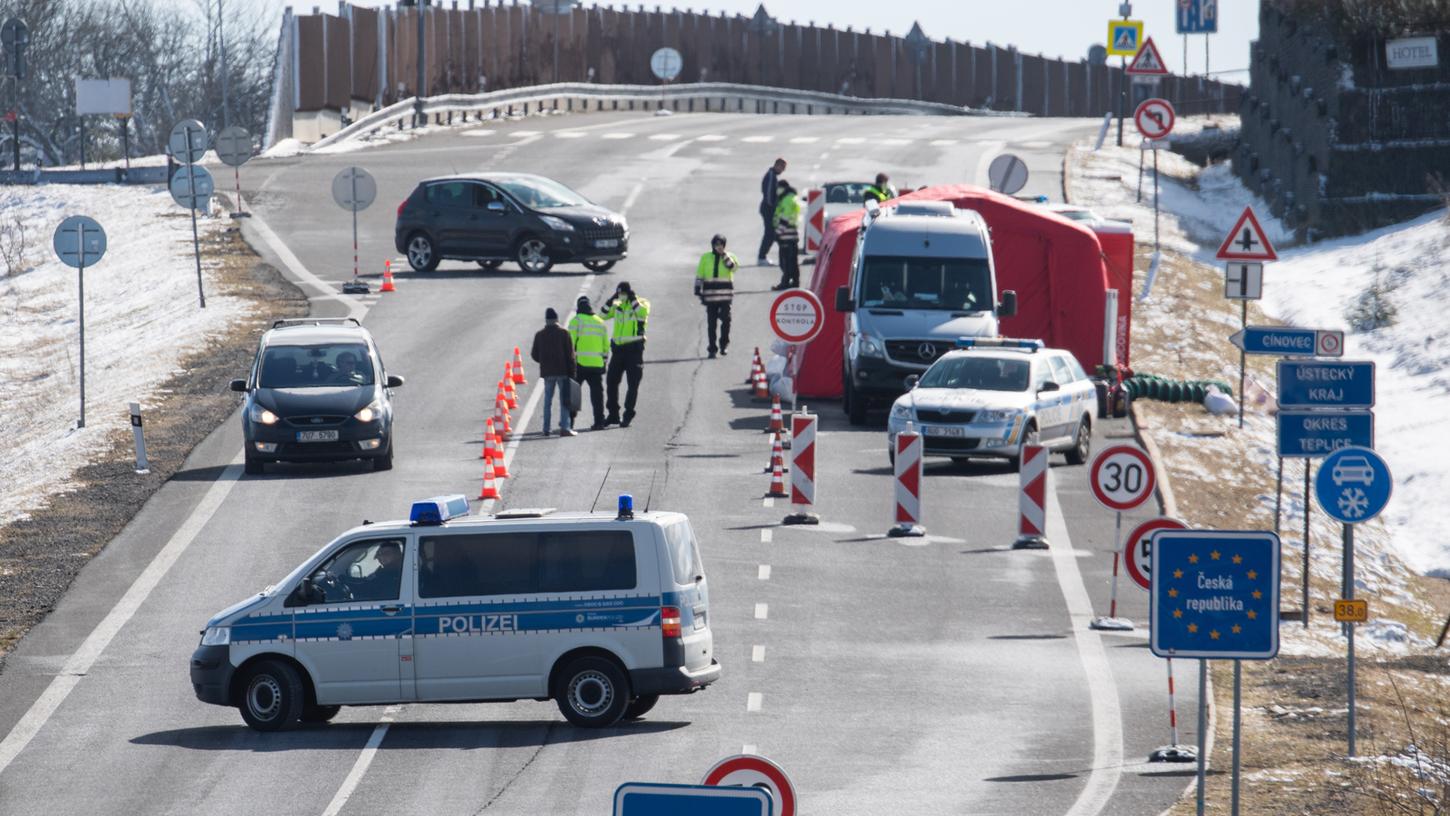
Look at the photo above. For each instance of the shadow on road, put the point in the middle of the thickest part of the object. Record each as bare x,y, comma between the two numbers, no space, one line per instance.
405,735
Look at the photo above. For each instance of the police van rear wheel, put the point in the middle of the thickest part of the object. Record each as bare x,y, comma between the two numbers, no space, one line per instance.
592,693
640,706
273,697
422,255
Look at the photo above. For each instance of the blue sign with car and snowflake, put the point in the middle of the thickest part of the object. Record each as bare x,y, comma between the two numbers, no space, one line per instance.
1215,594
1353,485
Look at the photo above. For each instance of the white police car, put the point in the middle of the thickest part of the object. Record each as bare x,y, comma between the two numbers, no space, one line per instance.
601,613
993,395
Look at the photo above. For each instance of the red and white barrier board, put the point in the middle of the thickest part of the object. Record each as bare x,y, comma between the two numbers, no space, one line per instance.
1032,500
908,468
802,469
815,220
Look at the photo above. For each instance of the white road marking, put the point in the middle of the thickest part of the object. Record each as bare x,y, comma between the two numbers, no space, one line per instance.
360,767
897,142
754,700
355,308
665,137
759,139
943,142
757,654
523,133
767,502
96,642
617,136
748,748
805,139
628,202
764,572
761,611
1107,763
479,132
710,137
766,536
851,140
569,134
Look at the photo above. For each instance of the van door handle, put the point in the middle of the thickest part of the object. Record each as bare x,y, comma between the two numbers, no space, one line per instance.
392,610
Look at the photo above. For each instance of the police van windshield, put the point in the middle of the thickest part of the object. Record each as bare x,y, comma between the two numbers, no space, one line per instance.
949,284
982,373
330,365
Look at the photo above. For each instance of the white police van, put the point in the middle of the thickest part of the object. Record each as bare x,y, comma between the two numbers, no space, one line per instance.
991,396
601,613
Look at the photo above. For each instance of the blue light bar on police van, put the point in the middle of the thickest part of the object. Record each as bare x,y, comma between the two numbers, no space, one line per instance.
438,510
998,342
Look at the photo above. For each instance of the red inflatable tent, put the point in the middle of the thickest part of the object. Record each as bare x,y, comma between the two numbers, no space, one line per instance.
1055,265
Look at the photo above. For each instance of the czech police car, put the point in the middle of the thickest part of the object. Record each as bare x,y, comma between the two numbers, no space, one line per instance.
601,613
992,396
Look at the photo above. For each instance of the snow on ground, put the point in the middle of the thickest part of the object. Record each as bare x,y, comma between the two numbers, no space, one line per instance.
1315,286
142,317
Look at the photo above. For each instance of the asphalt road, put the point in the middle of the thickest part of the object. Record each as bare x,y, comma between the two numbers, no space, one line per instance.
950,675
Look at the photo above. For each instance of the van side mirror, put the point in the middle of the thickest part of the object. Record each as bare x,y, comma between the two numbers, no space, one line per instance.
843,300
394,381
239,385
911,381
1008,306
1049,386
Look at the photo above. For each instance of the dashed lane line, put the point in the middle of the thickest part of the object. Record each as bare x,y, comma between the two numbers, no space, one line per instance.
766,536
749,749
617,136
710,137
754,700
757,654
360,767
767,502
764,573
758,139
762,611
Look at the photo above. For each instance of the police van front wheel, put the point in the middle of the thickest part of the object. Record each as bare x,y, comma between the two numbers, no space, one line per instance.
592,693
273,697
640,706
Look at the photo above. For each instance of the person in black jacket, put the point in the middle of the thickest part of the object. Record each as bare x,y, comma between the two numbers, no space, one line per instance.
768,199
553,350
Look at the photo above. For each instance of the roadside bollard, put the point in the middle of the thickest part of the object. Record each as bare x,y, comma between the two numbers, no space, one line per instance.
1032,500
802,468
908,467
142,466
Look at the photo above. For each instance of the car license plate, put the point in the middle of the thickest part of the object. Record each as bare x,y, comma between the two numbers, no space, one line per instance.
944,430
607,243
317,436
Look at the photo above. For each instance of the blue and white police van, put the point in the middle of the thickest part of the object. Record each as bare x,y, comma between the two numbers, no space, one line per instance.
601,613
991,396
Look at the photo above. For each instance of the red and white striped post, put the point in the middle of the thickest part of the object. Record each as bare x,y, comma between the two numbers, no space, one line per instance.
802,468
1032,500
908,484
1173,751
1112,622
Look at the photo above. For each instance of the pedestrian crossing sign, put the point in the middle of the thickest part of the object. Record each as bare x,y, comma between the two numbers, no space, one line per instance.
1124,37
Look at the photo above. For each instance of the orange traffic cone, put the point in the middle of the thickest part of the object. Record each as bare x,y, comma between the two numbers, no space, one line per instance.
519,378
777,482
500,416
510,392
762,386
490,490
489,439
777,422
755,366
388,278
500,467
777,455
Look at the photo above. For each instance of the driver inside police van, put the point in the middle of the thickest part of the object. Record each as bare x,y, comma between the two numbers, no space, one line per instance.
385,581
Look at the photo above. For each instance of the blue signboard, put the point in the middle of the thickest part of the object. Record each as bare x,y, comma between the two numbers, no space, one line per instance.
1326,384
650,799
1353,485
1285,341
1312,434
1197,16
1215,594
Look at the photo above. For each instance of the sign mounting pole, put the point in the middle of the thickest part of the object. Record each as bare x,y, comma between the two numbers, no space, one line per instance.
1243,356
78,241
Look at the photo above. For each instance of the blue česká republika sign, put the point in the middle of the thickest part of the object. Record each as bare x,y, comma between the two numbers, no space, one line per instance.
650,799
1215,594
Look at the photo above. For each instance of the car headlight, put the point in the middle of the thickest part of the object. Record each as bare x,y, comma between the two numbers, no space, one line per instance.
216,636
997,415
259,414
869,346
370,412
556,224
901,410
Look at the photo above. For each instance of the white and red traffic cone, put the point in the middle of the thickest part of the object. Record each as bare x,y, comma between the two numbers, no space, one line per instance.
777,420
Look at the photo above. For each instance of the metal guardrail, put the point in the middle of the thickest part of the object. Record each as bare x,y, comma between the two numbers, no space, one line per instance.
113,175
729,95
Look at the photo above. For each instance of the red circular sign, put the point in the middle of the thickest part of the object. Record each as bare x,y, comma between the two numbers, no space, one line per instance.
1155,118
746,770
1138,556
797,315
1122,477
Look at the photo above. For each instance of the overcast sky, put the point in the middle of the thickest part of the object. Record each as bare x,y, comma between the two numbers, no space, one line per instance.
1056,28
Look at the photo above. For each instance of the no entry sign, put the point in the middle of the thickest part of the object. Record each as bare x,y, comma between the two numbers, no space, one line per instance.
797,315
1122,477
749,771
1138,552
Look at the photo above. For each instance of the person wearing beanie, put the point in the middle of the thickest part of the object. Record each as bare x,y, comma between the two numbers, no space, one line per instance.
553,350
630,314
715,287
788,236
590,337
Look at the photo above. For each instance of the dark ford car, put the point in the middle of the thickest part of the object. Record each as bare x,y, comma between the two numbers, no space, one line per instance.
317,392
534,221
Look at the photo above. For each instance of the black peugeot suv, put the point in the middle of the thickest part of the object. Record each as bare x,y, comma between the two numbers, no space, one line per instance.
317,391
531,220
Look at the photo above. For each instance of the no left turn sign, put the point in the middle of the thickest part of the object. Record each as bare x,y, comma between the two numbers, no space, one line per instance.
1138,553
797,315
1155,118
1122,477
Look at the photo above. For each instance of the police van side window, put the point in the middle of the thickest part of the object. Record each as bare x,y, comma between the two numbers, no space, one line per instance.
684,553
362,571
1060,372
487,564
586,561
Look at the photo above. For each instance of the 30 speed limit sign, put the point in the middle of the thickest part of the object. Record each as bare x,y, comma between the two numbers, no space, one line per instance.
1122,477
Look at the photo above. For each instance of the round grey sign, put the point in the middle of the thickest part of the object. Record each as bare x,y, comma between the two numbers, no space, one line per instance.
79,241
192,186
188,141
353,188
234,146
666,64
1007,174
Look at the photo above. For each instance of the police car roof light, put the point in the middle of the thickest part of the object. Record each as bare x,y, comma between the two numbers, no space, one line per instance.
435,511
626,506
999,342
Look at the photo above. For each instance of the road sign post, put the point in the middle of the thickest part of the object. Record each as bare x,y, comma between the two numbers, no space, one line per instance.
187,143
234,148
1137,555
1353,487
650,799
354,189
1247,244
1216,596
1123,38
1154,119
1122,478
79,241
15,39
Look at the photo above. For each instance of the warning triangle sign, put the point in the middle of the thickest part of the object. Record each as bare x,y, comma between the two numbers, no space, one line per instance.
1147,61
1247,241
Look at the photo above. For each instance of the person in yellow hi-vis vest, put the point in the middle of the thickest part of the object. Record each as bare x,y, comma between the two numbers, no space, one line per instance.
591,351
788,236
630,313
715,287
